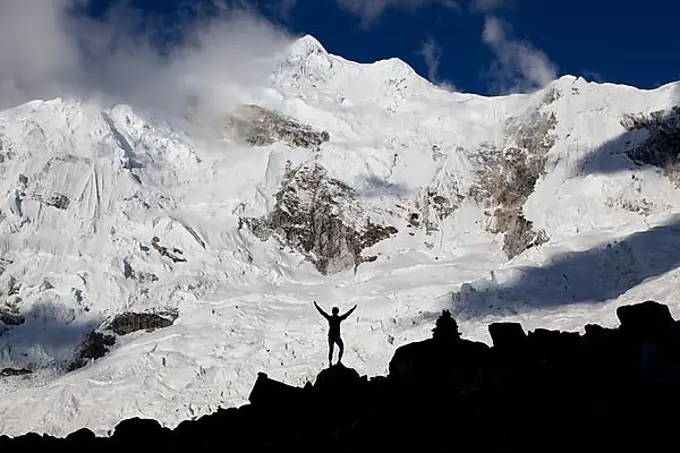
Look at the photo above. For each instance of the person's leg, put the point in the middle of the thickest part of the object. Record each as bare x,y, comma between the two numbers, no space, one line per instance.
341,349
330,351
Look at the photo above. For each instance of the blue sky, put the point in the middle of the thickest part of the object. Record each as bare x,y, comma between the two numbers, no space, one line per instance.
158,54
603,40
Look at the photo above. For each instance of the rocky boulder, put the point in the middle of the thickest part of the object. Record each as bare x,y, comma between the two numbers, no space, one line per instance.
507,335
140,432
81,437
267,391
647,318
337,377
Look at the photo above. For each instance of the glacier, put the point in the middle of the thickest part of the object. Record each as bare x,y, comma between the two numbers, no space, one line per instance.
551,209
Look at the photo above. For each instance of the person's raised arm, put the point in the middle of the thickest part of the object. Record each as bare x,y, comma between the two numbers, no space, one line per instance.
323,313
346,315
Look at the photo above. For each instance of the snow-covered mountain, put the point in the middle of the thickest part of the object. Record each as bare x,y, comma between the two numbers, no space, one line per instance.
186,264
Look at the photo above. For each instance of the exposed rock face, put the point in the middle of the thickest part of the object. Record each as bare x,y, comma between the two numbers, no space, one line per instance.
173,254
519,232
508,175
11,319
9,312
140,276
553,95
312,215
98,344
56,200
6,150
126,323
95,346
143,277
4,263
53,195
261,127
662,145
641,206
441,198
436,208
15,372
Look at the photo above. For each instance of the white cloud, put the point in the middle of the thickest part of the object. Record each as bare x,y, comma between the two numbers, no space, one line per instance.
286,7
488,5
519,66
369,10
35,42
46,51
432,54
592,75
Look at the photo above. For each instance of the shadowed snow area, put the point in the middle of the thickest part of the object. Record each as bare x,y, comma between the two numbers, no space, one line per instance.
334,181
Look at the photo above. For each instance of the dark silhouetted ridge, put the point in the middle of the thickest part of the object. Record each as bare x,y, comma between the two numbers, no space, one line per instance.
541,391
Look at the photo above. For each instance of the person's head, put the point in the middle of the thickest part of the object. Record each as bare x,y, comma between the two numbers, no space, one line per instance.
336,310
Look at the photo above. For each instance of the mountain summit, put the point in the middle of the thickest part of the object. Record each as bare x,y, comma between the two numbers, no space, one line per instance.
305,46
155,271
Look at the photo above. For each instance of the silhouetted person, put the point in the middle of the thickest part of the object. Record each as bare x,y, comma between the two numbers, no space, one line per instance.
334,321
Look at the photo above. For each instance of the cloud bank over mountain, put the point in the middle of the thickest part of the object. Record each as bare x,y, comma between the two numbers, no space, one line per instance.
50,49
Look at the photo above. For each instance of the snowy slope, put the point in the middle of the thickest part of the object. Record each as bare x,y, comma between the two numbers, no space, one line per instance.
85,189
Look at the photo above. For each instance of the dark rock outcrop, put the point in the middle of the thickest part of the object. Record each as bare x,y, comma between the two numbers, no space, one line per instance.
336,376
57,200
11,319
314,214
507,335
661,147
260,127
434,207
508,174
647,318
128,322
269,392
95,346
442,197
606,390
173,254
15,372
98,343
420,361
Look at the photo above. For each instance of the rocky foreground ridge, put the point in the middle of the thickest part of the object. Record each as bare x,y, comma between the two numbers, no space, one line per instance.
545,391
